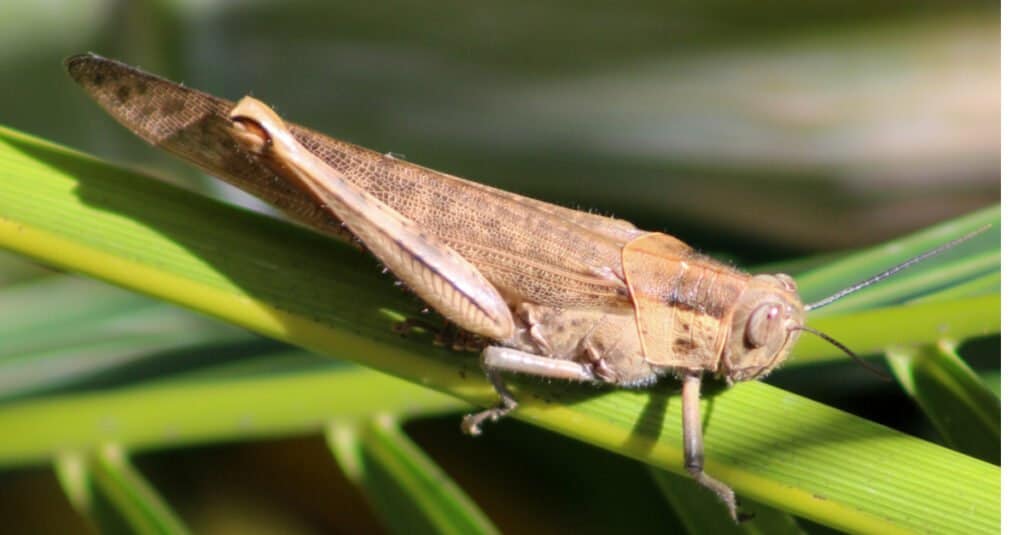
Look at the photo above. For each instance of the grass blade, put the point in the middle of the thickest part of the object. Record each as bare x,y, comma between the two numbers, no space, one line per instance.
963,409
409,492
159,415
870,332
975,258
106,488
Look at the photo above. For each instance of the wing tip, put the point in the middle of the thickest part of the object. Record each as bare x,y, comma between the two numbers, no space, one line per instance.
79,64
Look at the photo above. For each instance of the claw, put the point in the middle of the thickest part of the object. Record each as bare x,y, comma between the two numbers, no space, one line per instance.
471,422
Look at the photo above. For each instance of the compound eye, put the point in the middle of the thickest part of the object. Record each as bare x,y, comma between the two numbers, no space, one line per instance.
764,323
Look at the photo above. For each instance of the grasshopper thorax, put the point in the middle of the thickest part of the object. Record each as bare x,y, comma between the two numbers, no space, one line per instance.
765,324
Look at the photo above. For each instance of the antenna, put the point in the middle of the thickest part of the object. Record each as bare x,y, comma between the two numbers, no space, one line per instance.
865,364
893,270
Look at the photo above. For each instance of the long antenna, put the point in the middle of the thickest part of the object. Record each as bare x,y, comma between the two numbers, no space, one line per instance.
865,364
894,270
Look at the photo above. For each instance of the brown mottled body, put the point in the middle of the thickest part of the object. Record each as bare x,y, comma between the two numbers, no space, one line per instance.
562,293
682,306
531,250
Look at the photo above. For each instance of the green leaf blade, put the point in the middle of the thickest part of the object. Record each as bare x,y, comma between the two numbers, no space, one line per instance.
958,403
107,489
410,492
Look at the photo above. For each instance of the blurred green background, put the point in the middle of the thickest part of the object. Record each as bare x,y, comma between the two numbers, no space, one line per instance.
754,131
759,122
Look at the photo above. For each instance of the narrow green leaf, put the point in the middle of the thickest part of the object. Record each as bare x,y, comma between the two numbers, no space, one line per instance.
977,257
410,493
15,269
105,488
957,402
985,284
343,440
66,331
872,331
66,310
927,279
771,446
787,452
993,380
73,476
130,494
163,414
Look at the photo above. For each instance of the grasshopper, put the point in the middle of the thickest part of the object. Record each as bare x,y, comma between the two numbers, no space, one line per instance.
558,293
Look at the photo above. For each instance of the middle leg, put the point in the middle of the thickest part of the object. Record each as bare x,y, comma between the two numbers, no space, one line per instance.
496,359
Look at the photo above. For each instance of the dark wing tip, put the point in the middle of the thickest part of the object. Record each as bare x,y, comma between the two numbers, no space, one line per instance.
84,68
77,64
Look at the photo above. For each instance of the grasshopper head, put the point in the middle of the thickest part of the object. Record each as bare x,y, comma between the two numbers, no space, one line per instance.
765,325
769,316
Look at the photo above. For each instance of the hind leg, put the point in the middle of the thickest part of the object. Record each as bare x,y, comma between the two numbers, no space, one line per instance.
496,359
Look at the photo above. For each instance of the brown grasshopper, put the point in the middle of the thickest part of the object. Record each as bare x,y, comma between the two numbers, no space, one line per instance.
559,293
